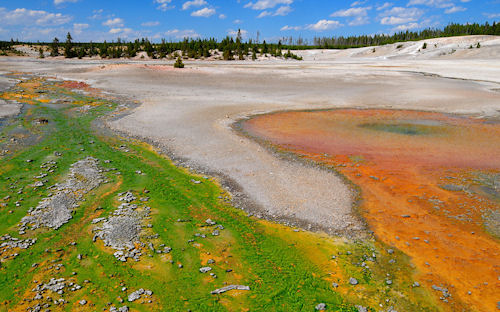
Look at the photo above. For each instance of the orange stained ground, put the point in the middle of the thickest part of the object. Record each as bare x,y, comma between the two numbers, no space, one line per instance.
401,160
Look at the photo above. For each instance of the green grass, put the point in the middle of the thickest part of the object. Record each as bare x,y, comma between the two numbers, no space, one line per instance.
282,277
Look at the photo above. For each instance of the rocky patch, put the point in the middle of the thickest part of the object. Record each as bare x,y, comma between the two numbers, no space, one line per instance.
56,210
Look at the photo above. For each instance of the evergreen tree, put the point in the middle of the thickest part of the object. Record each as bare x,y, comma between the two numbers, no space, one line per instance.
179,63
40,51
54,47
68,47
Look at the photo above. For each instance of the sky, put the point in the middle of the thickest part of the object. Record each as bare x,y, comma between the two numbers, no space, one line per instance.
98,20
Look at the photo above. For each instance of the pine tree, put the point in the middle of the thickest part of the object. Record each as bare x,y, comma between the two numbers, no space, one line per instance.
55,47
179,63
68,48
40,51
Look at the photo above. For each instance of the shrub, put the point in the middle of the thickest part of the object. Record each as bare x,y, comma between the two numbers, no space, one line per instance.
179,63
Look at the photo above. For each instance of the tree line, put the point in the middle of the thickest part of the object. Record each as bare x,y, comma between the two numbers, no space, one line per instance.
231,48
375,40
227,49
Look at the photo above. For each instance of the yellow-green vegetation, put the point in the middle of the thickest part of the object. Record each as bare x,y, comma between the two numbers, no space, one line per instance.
286,269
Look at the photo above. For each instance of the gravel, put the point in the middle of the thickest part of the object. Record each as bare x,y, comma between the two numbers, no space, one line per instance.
56,210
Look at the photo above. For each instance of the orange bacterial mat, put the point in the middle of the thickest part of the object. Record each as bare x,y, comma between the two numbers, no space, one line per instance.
430,186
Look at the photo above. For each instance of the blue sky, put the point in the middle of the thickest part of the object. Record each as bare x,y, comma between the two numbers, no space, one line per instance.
99,20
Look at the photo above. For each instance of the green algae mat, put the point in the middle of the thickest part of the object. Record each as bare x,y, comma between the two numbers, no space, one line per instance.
92,221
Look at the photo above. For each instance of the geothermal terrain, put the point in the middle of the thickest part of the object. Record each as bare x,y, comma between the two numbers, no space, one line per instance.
359,179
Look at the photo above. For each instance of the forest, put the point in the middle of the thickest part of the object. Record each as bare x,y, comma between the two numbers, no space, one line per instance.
236,48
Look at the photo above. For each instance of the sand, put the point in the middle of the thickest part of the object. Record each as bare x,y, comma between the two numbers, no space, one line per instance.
190,113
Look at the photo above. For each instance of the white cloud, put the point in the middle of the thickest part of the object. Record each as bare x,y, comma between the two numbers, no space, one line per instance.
205,12
179,34
234,33
410,26
400,15
323,25
286,27
360,20
113,22
267,4
164,5
360,11
97,14
385,6
27,17
264,14
193,3
237,21
360,15
491,15
281,11
56,2
432,3
358,3
455,9
222,16
150,24
118,30
78,28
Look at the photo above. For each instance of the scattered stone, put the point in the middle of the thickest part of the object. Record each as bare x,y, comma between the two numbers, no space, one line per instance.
388,282
416,284
335,285
56,210
82,302
210,222
205,269
228,288
353,281
320,307
361,308
390,251
137,294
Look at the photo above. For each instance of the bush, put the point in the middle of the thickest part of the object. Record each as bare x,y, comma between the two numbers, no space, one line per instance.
178,63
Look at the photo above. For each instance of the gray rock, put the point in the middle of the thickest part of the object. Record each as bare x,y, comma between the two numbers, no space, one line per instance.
56,210
361,308
205,269
228,288
320,307
135,295
353,281
82,302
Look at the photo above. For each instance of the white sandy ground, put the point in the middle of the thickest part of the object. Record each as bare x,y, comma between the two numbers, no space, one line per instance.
190,111
7,108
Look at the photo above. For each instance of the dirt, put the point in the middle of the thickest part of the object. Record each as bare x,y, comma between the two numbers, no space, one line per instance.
401,160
